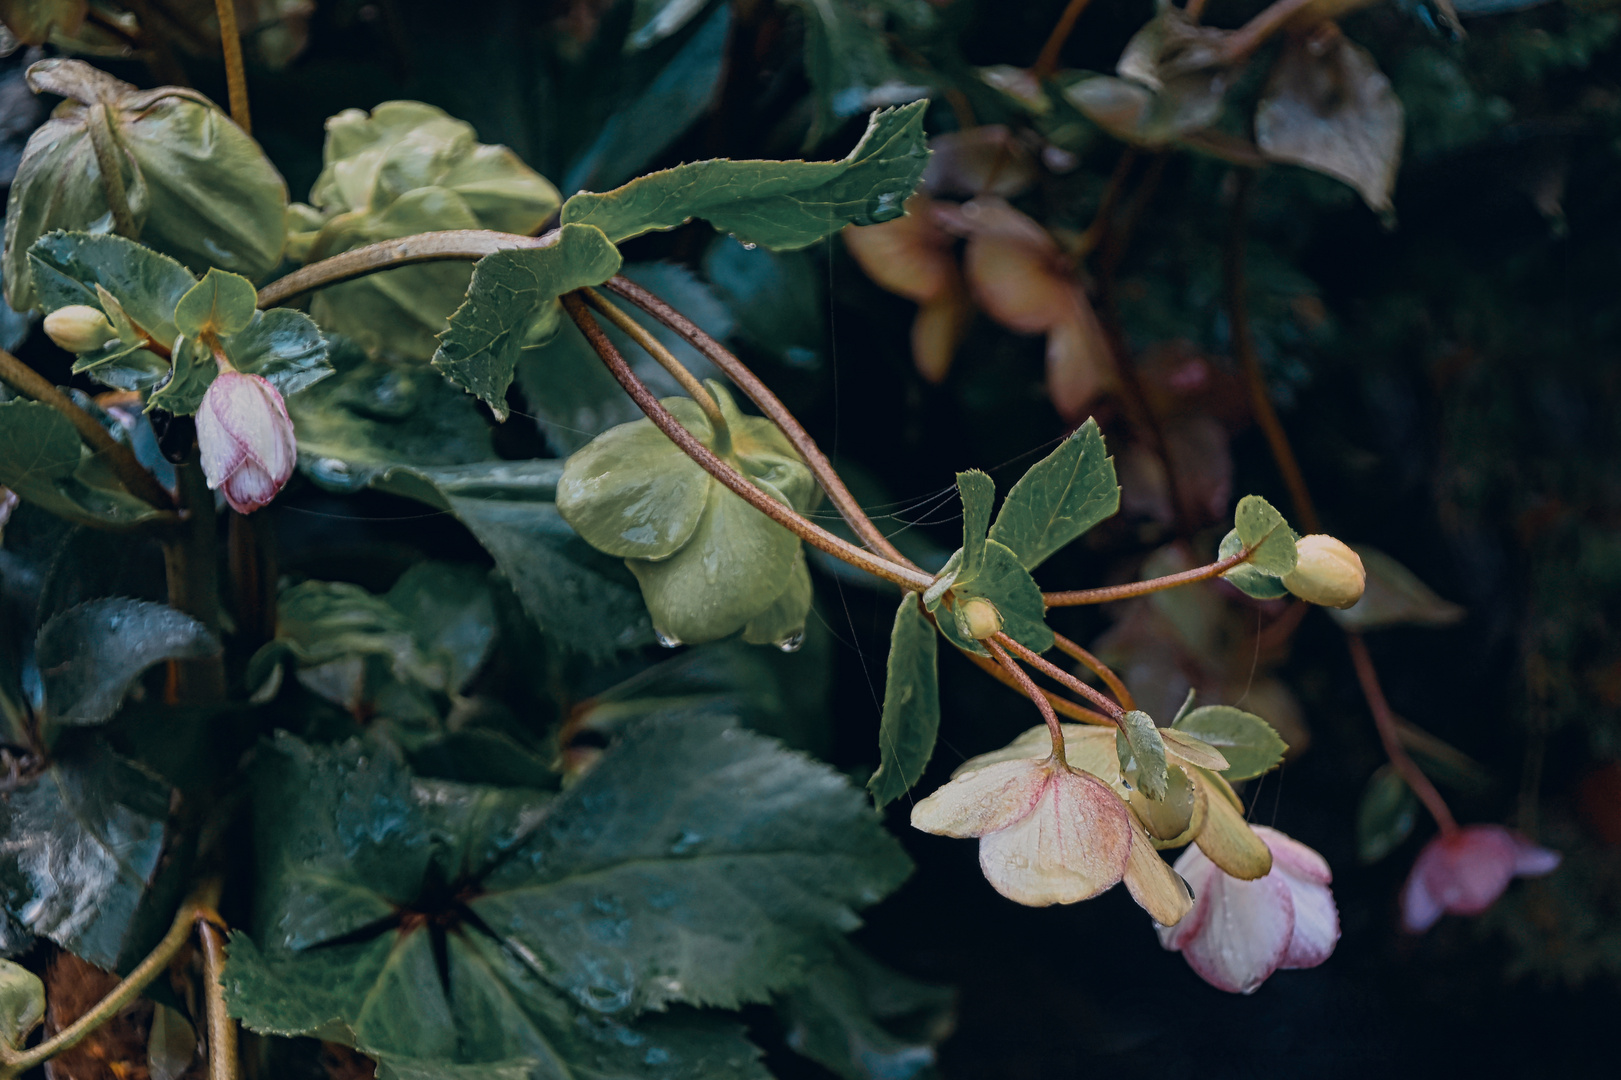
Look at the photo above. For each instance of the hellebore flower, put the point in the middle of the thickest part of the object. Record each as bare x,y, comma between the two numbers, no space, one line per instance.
246,439
1240,932
1327,572
1465,871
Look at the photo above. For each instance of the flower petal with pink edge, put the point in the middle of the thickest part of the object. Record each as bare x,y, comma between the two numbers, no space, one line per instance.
984,800
1294,858
1200,873
1464,872
1419,910
249,488
1074,845
1245,932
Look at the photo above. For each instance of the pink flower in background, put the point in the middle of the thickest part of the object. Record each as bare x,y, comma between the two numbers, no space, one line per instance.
1465,871
246,439
1240,932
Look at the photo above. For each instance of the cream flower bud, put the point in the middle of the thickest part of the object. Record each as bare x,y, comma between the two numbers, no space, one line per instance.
79,328
1327,573
981,619
246,440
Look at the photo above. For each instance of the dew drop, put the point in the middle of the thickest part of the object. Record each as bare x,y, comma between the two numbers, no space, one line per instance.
792,642
669,641
749,246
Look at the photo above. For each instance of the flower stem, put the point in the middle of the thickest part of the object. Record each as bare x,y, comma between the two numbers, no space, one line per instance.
223,1059
130,472
1028,685
1076,597
1053,671
1047,62
236,76
191,565
110,163
1389,735
655,348
1098,668
785,516
456,244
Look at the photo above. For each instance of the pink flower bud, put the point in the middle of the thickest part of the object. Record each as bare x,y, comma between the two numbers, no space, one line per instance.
246,439
1240,932
1465,871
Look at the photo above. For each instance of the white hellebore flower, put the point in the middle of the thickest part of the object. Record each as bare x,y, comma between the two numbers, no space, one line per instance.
246,440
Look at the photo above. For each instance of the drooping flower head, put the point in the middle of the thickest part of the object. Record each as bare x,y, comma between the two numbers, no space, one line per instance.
1465,871
1240,932
246,440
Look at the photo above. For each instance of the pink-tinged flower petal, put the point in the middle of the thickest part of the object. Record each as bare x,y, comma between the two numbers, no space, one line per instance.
1465,871
1294,858
249,488
246,440
938,330
1078,364
1317,924
1245,932
1200,874
1533,861
1419,910
984,800
1074,845
1020,286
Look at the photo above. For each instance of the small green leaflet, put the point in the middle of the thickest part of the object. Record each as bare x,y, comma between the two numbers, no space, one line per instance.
1006,583
776,204
978,497
90,655
1246,578
1138,742
221,304
1264,532
1385,816
1060,498
911,704
1248,743
511,300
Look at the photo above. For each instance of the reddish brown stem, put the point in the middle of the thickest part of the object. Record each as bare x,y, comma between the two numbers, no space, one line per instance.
1053,671
1390,736
1047,62
1076,597
1062,705
1028,685
1098,668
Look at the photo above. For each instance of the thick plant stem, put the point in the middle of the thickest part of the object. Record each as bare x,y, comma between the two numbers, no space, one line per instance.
1076,597
191,564
1098,668
130,472
1053,671
774,410
1250,360
13,1063
223,1058
236,75
1389,735
785,516
655,348
466,245
1028,685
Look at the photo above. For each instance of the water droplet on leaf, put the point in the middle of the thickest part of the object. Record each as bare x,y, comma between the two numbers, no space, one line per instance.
669,641
792,642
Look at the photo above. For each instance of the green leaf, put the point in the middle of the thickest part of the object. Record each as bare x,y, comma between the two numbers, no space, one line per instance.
1248,743
22,1003
1246,578
451,615
1385,816
863,1021
90,655
1394,596
221,304
42,460
1059,498
325,622
783,623
192,371
171,1046
777,204
31,22
978,493
1142,751
1264,532
509,292
848,56
911,704
282,346
777,297
1004,581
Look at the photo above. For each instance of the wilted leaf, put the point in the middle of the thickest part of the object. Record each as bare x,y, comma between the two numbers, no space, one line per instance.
911,704
1059,498
1385,816
90,655
1394,596
1328,107
1175,76
1248,743
778,204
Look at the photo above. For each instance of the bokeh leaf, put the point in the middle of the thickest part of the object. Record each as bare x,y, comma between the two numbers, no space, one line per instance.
911,716
42,460
1394,596
1385,816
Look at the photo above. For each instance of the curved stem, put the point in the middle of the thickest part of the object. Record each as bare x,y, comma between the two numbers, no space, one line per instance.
236,76
1389,735
774,410
1028,685
454,244
785,516
1047,62
1076,597
223,1059
655,348
130,472
109,162
1053,671
1062,705
1098,668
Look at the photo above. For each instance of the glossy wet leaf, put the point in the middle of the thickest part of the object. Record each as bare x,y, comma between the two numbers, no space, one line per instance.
1394,596
42,460
911,715
776,204
1061,497
221,304
1246,578
283,347
323,622
1004,581
22,1003
512,292
1140,747
1328,107
451,616
1385,816
1248,743
90,655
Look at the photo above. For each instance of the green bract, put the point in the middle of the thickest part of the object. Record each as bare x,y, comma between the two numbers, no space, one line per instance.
402,169
1257,525
190,183
709,563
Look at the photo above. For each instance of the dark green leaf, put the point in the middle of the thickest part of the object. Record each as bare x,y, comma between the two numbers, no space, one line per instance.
511,290
773,203
90,655
171,1046
326,622
1264,533
1385,816
1142,751
148,286
1060,498
193,370
911,704
1248,743
978,494
1004,581
1246,578
848,57
283,347
450,614
777,297
221,304
42,461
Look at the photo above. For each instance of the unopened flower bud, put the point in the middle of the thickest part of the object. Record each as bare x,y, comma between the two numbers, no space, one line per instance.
246,440
981,619
1327,573
79,328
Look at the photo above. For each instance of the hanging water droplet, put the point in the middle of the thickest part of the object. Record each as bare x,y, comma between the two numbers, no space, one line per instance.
792,642
749,246
669,641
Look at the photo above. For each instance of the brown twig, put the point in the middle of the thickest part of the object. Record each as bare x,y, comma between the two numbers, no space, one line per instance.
236,76
655,348
1098,668
1385,721
1047,62
1108,593
1053,671
1028,685
223,1059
